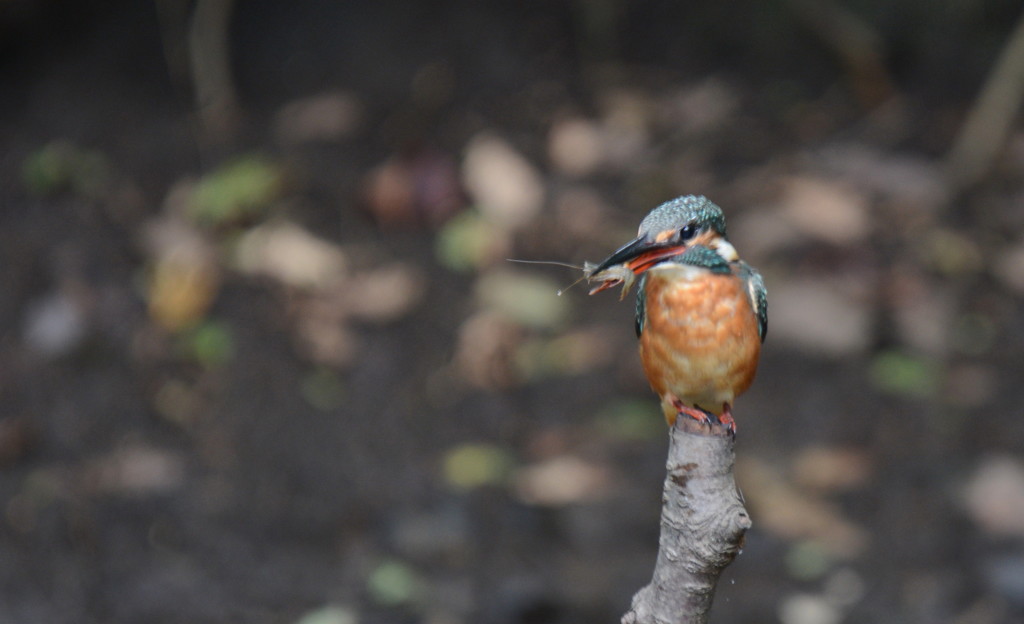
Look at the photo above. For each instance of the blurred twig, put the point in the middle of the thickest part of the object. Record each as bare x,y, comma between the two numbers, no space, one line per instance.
984,132
210,59
703,522
854,42
197,49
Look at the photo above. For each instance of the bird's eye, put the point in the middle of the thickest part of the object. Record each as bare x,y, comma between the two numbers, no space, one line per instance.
687,232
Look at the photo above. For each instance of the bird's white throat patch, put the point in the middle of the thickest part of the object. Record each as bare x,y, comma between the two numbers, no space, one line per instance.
725,249
674,270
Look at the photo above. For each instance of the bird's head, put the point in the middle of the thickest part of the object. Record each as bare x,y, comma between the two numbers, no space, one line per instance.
669,230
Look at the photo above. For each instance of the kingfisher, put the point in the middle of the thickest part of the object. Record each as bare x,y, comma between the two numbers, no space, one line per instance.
701,312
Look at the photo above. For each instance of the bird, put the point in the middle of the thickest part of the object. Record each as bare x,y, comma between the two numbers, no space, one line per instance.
701,311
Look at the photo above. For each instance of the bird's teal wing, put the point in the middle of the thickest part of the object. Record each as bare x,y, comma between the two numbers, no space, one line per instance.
641,305
758,295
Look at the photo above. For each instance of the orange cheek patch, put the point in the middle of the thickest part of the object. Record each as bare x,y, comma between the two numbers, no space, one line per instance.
704,238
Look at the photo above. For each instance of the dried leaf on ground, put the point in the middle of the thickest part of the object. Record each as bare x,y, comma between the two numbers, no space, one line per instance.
290,254
831,469
826,210
137,470
55,324
793,513
328,116
385,293
504,185
417,187
562,480
819,316
485,351
185,276
994,496
575,146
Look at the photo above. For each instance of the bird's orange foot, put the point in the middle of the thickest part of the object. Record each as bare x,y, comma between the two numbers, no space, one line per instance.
726,419
695,413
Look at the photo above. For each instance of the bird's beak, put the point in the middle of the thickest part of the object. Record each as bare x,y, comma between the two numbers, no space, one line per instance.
639,255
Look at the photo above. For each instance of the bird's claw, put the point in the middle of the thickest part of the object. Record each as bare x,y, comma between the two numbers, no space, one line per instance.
728,423
725,419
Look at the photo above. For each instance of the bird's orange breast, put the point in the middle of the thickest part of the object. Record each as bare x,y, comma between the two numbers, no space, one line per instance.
700,339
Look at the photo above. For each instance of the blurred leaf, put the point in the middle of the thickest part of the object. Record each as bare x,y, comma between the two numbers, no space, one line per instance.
290,254
331,614
178,402
974,334
211,344
994,496
807,560
468,242
631,419
394,583
240,189
573,353
539,358
323,117
794,513
385,293
827,210
575,146
474,465
563,480
417,186
822,316
138,469
55,324
43,485
485,350
505,185
1008,266
526,299
832,468
903,374
181,290
804,608
323,389
952,253
61,166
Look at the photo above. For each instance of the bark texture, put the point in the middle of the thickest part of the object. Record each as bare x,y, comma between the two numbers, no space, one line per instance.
703,522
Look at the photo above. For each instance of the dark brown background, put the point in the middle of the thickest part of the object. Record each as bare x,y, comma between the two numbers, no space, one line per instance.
414,430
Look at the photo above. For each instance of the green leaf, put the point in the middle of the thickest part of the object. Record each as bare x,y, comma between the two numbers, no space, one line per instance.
210,343
323,389
467,242
904,374
330,614
394,583
474,465
243,188
974,334
807,560
631,419
63,166
527,299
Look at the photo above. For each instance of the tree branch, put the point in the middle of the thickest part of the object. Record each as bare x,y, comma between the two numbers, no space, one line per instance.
988,125
703,522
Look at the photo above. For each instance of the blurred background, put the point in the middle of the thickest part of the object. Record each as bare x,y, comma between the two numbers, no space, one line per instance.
262,358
